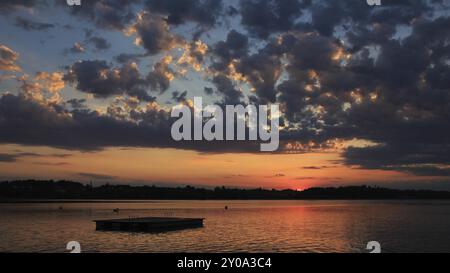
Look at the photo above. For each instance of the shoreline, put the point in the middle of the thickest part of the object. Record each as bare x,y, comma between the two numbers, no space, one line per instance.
106,201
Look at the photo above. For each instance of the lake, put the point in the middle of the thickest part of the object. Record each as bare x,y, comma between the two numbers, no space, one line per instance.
247,226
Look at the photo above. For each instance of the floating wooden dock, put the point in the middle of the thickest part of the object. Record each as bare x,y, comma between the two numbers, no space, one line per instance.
149,224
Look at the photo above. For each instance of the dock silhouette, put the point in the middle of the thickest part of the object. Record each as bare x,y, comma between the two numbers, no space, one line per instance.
148,224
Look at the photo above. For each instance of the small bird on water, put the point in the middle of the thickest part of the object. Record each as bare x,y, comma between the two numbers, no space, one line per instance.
116,210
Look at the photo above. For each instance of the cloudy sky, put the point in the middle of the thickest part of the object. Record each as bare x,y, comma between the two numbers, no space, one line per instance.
86,92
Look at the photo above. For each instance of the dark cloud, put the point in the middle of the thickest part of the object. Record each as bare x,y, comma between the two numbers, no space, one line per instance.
128,57
277,175
208,90
159,79
91,41
99,43
153,33
426,170
77,103
28,122
310,51
425,159
97,176
8,158
401,12
234,47
315,167
13,5
13,157
293,96
393,88
203,12
31,123
98,78
109,14
399,66
232,11
179,96
305,178
326,15
227,90
317,178
235,176
32,25
262,71
51,163
264,17
410,117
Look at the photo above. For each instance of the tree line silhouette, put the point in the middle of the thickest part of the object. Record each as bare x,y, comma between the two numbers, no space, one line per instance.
49,189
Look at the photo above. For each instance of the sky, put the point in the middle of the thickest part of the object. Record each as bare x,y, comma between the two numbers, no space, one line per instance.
364,91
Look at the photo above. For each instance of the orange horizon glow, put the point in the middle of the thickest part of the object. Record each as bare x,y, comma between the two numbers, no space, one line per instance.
182,167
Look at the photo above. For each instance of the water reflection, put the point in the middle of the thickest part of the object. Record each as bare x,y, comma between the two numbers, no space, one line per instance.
249,226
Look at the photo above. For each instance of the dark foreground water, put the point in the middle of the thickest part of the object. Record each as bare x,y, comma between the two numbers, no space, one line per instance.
247,226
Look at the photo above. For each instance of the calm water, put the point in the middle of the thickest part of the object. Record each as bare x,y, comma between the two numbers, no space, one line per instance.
247,226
